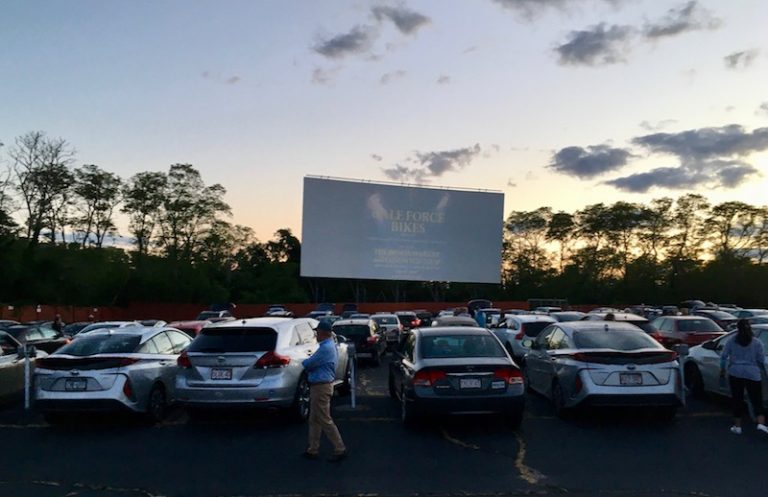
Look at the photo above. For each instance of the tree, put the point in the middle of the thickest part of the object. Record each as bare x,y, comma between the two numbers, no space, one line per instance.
562,229
143,198
688,226
41,169
285,247
98,193
730,226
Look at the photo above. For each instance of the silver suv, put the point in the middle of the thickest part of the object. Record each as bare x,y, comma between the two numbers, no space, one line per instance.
254,363
514,329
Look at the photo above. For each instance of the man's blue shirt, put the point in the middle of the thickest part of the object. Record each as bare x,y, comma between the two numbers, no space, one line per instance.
321,366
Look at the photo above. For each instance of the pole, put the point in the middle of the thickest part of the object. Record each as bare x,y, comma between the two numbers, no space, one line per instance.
27,378
353,395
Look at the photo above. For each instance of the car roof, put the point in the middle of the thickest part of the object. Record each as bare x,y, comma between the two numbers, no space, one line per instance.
342,322
530,318
595,326
683,318
145,332
452,330
620,316
262,322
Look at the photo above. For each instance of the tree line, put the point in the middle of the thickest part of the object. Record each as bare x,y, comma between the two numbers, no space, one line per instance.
59,244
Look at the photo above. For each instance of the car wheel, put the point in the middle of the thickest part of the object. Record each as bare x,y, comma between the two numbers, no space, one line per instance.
156,404
693,380
392,388
407,416
558,400
300,407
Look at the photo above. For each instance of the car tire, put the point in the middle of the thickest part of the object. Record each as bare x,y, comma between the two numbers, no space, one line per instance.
299,410
558,401
156,404
693,380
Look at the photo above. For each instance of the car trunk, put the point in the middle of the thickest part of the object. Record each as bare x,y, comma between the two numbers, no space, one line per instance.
228,367
457,377
628,368
73,374
228,356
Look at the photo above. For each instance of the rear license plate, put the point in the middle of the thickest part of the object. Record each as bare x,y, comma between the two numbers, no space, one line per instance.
470,383
630,379
221,374
75,384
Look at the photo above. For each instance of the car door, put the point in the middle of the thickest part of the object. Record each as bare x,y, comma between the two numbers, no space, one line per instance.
549,363
403,367
11,368
708,361
536,358
157,363
180,341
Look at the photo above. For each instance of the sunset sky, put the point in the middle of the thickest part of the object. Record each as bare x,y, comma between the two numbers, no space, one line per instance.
559,103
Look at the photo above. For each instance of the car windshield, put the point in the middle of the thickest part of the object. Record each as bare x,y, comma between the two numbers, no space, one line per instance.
406,318
101,344
698,326
616,340
445,346
646,326
221,340
99,326
719,315
352,330
385,320
533,328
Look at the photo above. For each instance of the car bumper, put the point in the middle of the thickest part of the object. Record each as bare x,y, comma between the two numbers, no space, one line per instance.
636,400
83,405
466,405
252,396
111,399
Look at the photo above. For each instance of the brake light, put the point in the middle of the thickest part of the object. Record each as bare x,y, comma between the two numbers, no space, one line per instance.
509,375
183,361
372,340
416,323
128,389
581,357
428,378
272,359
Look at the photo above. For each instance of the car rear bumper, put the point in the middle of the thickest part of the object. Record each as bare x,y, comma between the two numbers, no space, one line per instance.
83,405
467,405
638,400
254,397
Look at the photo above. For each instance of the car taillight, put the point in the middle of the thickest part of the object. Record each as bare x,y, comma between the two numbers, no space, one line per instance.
520,335
416,323
128,389
183,361
272,359
509,375
427,378
371,340
578,384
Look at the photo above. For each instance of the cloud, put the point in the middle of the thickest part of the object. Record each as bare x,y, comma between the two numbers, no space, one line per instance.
391,76
356,41
590,162
674,178
218,78
322,76
233,80
689,17
763,109
433,164
377,157
511,183
443,80
406,21
530,9
704,144
597,45
741,60
659,125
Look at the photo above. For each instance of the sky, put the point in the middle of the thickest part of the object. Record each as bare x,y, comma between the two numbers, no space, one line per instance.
559,103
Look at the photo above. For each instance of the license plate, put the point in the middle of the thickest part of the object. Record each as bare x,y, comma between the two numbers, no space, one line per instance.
470,383
75,384
630,378
221,374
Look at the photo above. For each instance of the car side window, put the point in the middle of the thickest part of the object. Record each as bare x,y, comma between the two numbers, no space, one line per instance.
410,345
180,341
556,339
163,343
48,333
306,335
542,341
148,347
33,334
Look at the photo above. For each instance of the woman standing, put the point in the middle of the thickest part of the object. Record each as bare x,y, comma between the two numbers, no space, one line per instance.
744,358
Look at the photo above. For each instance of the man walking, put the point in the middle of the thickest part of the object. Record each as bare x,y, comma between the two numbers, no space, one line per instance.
321,371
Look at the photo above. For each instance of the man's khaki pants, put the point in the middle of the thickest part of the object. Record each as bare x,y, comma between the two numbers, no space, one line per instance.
320,419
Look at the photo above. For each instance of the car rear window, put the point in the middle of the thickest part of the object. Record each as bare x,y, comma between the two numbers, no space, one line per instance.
534,328
386,320
87,345
617,340
444,346
221,340
352,330
646,326
406,318
698,325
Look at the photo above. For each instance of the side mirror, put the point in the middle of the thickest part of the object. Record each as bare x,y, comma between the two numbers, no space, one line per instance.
681,349
529,344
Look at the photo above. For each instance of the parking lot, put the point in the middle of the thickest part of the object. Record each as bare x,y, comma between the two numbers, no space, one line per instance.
603,453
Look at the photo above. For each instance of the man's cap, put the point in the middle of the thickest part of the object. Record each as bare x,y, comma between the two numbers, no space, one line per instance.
323,325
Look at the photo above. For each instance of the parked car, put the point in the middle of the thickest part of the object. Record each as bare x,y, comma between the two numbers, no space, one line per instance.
451,370
516,328
758,319
4,323
547,309
215,316
107,325
73,329
157,323
628,317
750,313
602,363
390,326
42,337
254,363
191,328
476,304
365,334
319,314
278,310
725,320
358,315
689,330
408,319
128,369
347,310
425,317
12,368
702,366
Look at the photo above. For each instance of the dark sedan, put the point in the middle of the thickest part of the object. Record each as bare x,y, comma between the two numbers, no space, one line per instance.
42,337
370,342
455,370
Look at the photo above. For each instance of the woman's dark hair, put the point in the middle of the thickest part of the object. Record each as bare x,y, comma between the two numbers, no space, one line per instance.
744,333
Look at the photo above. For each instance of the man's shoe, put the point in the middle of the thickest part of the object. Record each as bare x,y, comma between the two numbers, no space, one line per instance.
338,456
763,428
309,455
736,430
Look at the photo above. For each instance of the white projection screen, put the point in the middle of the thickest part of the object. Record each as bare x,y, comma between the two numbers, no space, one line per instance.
362,230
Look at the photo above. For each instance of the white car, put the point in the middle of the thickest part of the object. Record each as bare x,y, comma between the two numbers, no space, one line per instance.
702,366
514,329
107,325
390,326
